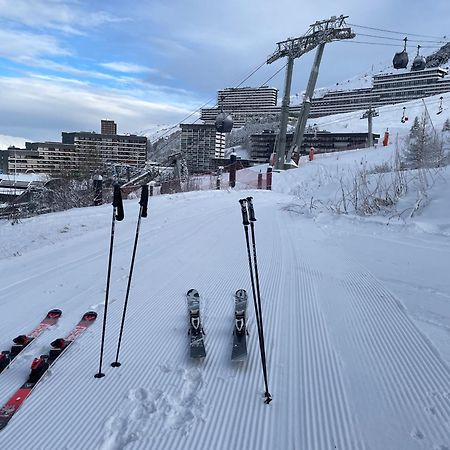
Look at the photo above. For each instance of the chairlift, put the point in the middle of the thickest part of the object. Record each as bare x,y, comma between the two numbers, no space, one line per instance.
419,62
224,121
401,59
404,116
440,105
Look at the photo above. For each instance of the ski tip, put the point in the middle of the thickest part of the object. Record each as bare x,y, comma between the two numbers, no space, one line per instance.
241,294
54,314
192,293
90,315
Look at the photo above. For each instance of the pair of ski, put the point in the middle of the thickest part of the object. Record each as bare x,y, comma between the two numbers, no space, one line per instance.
42,364
197,334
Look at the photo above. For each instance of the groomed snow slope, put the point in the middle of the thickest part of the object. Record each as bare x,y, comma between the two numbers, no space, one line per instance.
348,369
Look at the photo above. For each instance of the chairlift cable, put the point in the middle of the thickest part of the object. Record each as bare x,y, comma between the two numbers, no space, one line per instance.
396,32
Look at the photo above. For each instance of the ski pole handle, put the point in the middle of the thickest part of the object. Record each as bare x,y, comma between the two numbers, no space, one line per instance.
243,203
117,203
144,200
251,211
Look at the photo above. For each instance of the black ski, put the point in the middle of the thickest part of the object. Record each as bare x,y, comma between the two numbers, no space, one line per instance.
22,341
239,352
40,366
196,333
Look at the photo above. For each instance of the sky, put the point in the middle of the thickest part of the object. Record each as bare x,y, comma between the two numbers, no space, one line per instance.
67,64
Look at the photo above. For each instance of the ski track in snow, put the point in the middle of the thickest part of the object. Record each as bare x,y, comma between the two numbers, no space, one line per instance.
343,357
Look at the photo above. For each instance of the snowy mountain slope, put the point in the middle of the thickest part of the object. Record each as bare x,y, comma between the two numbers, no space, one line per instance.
356,314
7,141
347,366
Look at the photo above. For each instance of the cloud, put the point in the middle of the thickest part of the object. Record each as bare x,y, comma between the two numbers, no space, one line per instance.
22,46
127,67
43,107
61,15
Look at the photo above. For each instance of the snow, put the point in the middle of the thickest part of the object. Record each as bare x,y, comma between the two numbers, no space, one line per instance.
355,308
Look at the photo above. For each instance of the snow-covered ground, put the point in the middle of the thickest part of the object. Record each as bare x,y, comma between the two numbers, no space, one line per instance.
356,313
8,141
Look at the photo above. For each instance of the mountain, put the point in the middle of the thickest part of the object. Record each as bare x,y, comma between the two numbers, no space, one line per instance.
440,57
8,141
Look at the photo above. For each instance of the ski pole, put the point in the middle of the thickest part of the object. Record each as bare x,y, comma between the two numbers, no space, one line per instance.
118,215
142,213
246,223
252,219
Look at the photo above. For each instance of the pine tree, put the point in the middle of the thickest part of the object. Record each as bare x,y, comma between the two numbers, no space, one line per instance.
423,148
446,126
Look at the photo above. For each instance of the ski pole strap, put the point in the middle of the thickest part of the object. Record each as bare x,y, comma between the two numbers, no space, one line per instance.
243,203
144,200
251,211
117,203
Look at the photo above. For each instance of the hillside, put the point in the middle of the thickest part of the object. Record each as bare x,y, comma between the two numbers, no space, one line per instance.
355,309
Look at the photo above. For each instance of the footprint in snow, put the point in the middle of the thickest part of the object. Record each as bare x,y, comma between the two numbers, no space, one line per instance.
417,434
185,406
144,403
116,434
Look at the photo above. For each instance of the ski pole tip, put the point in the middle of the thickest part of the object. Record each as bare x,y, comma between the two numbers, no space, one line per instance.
99,375
116,364
268,398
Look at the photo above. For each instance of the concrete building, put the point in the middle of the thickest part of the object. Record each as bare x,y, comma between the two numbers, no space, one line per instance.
200,143
42,157
387,89
262,144
128,150
108,127
245,104
232,99
78,152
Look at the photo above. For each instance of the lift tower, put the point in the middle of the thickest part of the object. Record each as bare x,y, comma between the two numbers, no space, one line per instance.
318,35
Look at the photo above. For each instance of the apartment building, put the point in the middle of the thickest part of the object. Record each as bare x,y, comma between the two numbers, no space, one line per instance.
42,157
232,99
109,148
245,104
78,151
200,143
387,89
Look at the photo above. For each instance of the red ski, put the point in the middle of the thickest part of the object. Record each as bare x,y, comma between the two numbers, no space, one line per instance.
40,366
20,342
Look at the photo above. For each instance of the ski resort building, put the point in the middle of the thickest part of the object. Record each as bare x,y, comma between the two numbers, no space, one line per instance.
119,149
387,89
78,151
263,144
200,143
245,104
